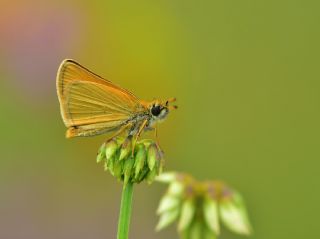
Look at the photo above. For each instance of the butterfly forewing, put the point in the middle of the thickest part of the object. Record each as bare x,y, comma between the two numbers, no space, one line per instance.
91,104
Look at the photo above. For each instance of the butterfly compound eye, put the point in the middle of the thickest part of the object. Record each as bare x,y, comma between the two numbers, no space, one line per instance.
155,110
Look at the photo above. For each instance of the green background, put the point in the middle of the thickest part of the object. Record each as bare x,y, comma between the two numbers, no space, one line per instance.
247,78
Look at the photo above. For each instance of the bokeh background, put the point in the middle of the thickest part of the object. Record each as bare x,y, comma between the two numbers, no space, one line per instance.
247,78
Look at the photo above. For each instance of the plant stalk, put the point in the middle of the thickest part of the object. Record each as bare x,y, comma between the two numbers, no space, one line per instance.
125,211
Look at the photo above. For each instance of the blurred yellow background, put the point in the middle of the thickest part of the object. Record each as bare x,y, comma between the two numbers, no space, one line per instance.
246,76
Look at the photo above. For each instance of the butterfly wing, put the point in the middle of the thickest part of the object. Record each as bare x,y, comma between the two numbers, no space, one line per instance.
91,105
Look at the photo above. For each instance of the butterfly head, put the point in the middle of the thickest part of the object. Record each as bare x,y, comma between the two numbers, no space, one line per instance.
159,110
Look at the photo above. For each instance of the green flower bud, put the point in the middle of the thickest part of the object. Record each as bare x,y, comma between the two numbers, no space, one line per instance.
201,206
168,203
143,173
208,234
140,159
160,165
151,175
167,177
111,148
105,166
176,188
233,214
195,231
167,218
126,148
153,156
187,213
109,164
139,167
101,153
210,212
128,169
117,169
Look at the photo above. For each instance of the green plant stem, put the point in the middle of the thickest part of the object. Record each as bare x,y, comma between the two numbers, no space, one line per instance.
125,211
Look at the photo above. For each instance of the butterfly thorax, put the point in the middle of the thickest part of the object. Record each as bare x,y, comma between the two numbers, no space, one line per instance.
152,113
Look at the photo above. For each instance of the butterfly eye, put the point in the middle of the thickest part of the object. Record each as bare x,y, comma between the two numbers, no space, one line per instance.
155,110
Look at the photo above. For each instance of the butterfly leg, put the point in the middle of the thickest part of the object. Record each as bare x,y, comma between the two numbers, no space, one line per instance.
143,125
156,137
122,129
156,134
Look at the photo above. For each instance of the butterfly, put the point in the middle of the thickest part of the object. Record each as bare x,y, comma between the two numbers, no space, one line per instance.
91,105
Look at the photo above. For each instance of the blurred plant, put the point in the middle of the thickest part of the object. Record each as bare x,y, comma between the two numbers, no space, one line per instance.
129,165
199,207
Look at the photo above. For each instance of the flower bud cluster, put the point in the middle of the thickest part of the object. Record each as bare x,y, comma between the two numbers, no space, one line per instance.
200,207
145,163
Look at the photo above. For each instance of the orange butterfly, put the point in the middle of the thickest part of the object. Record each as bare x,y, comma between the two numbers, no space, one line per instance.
91,105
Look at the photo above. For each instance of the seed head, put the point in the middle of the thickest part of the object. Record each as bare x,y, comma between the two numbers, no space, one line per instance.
200,207
146,162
